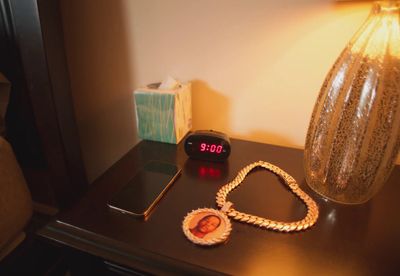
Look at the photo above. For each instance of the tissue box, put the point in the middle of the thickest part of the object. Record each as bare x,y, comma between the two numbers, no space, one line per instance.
164,115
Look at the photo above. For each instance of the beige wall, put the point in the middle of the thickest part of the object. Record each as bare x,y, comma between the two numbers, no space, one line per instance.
256,65
98,54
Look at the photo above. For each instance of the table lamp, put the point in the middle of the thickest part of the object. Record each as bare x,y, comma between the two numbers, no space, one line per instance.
354,133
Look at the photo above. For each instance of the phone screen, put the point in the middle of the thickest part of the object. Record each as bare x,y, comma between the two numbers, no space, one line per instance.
147,187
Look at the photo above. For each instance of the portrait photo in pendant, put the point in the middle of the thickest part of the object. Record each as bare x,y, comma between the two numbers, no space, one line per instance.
207,226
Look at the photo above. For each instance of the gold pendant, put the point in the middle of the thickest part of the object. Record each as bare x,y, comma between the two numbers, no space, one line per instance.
206,226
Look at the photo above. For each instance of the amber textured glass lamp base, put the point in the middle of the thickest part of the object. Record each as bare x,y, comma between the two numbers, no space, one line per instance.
354,134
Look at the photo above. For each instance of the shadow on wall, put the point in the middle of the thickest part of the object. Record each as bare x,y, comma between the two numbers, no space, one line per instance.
102,81
266,137
211,109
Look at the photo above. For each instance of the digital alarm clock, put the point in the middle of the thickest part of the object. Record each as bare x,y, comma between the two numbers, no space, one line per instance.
208,145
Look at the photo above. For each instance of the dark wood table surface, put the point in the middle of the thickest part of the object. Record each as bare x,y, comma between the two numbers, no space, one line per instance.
347,240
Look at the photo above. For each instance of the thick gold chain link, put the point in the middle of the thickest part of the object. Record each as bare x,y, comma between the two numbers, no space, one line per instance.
312,208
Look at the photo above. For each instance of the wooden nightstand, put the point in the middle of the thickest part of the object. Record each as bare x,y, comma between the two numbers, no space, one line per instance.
347,240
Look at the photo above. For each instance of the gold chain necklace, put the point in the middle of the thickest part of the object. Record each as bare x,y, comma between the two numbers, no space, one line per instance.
208,226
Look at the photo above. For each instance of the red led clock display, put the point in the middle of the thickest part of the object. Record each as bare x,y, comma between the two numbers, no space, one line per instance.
208,145
213,148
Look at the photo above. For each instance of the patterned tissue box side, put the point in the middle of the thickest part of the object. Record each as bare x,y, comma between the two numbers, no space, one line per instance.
164,116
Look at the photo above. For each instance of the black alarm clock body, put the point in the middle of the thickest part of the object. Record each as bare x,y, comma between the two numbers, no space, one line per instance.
208,145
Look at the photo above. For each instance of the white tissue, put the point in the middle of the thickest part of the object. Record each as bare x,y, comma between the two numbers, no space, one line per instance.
169,83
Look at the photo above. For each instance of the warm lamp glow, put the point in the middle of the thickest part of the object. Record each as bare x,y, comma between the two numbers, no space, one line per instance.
354,133
378,36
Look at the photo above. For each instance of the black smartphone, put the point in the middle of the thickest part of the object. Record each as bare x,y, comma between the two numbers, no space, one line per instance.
139,196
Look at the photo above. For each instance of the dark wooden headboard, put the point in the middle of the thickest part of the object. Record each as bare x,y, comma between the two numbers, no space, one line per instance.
40,120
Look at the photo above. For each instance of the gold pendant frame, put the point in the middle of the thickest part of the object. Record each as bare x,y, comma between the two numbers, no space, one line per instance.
206,226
